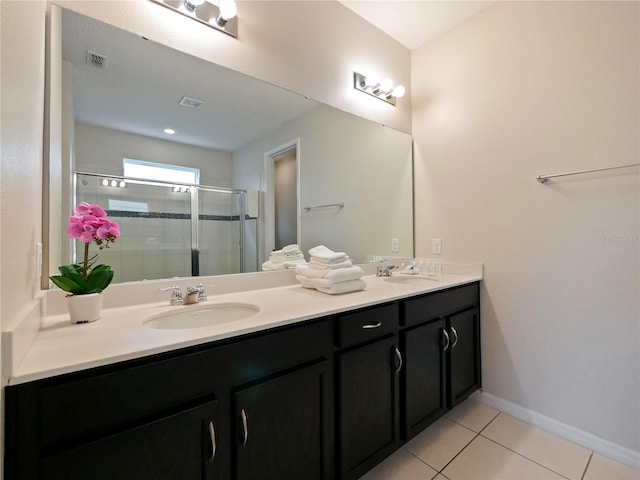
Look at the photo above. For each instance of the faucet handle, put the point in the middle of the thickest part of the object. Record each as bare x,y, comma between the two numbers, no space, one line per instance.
176,295
202,294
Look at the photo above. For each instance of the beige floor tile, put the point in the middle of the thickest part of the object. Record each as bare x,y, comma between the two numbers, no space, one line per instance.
603,468
440,442
473,415
555,453
401,466
486,460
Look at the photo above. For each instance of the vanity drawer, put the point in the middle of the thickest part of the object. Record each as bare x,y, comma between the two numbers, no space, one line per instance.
367,325
440,304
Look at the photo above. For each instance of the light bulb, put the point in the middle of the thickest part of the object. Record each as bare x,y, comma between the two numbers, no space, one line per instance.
386,85
228,9
176,189
398,92
114,183
105,182
122,184
371,82
169,131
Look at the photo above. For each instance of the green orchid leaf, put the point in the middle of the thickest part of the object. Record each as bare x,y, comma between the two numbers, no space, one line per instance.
99,279
67,284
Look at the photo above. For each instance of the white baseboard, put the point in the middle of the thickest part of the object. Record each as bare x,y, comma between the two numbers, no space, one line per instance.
604,447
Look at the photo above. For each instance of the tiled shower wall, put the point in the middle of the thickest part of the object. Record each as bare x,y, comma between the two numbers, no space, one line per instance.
156,243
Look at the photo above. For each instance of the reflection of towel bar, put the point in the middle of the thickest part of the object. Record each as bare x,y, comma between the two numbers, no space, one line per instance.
339,205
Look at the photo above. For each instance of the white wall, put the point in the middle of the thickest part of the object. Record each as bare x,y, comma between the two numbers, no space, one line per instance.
343,159
21,107
101,150
522,89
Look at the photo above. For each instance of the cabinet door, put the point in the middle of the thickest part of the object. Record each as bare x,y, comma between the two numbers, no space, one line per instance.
464,361
283,427
424,376
368,405
178,447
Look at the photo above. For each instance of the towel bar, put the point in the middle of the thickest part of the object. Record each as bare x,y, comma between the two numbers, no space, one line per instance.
339,205
544,178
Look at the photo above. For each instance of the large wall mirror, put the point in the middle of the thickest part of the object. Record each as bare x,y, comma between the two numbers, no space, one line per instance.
274,167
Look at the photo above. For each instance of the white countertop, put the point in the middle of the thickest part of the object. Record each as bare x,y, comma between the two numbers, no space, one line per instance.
61,347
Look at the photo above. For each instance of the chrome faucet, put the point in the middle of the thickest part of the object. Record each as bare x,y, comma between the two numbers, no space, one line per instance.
385,270
176,295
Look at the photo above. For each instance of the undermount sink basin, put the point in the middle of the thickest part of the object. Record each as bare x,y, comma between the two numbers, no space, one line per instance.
201,316
409,279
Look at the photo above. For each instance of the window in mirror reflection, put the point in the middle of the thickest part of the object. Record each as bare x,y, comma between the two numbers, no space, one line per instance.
160,171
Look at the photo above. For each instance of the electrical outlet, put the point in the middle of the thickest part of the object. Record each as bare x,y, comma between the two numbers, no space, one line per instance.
436,246
395,245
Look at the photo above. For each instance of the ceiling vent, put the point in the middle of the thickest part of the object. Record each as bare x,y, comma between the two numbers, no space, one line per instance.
191,102
96,59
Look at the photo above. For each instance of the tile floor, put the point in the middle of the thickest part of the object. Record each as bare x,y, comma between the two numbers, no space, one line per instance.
477,442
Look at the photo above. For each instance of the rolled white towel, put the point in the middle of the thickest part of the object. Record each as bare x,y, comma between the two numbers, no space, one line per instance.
330,266
344,287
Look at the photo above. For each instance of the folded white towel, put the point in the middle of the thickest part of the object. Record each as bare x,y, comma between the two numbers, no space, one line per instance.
329,266
344,287
294,263
344,274
297,256
269,265
304,269
291,248
305,281
325,255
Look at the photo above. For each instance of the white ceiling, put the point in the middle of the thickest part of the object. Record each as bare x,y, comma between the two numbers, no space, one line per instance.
140,89
415,22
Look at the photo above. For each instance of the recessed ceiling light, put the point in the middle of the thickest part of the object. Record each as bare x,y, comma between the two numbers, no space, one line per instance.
169,131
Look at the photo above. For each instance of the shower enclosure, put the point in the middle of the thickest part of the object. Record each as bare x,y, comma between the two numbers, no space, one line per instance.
167,229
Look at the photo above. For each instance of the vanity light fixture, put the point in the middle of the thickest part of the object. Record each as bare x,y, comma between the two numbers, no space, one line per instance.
220,15
381,89
113,183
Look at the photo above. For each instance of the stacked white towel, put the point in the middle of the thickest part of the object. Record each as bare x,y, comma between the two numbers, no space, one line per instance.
330,272
287,257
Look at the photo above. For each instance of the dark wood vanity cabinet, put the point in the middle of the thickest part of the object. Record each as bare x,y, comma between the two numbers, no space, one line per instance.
441,346
322,399
180,415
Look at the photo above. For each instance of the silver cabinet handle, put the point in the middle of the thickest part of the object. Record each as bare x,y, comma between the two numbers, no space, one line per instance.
245,428
212,437
372,325
455,339
399,357
446,340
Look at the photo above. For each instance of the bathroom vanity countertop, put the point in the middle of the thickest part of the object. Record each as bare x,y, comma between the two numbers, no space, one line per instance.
120,335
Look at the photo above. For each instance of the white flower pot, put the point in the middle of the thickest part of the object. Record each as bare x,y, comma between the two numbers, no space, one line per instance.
84,308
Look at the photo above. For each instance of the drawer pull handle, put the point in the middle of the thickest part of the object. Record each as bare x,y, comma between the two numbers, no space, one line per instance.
399,357
455,337
245,428
212,437
446,340
372,325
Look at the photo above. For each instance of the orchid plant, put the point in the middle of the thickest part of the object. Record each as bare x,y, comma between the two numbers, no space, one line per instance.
88,224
